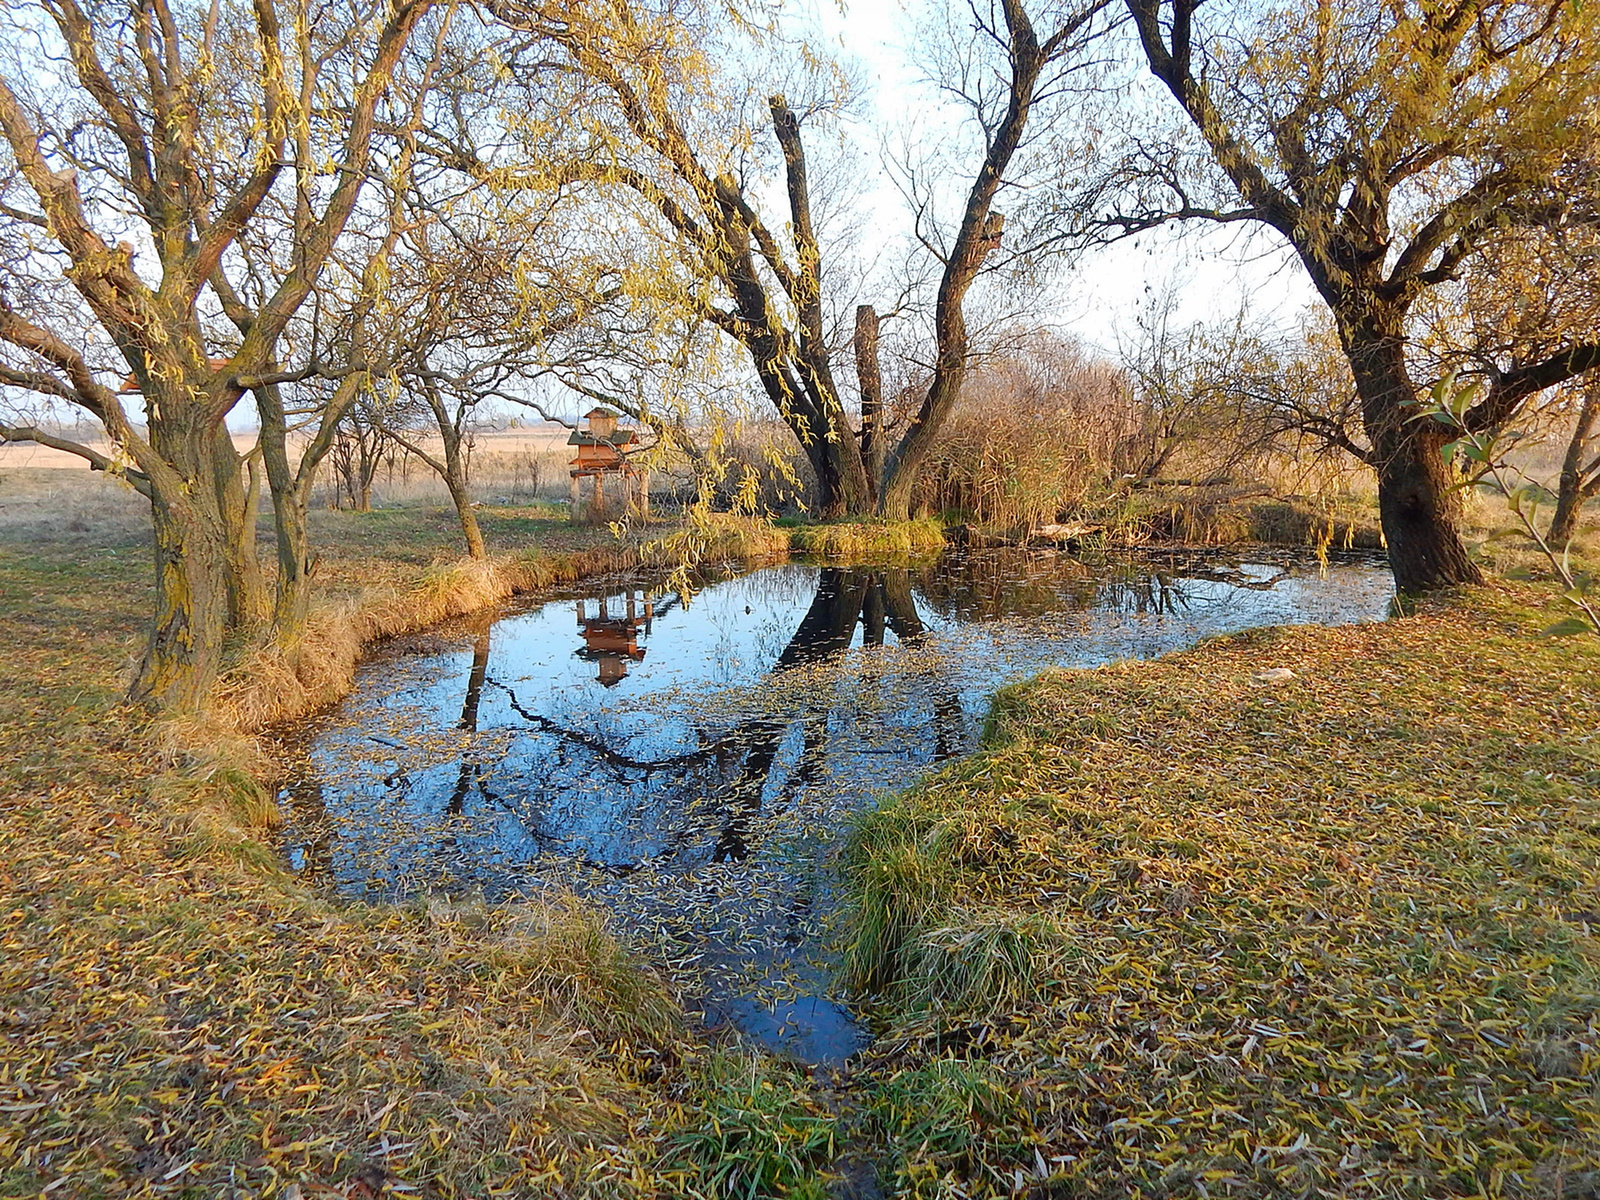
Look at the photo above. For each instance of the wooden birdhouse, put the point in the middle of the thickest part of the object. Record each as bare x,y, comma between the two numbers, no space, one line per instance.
616,484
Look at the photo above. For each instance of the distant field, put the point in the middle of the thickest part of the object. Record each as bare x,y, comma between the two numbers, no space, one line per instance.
513,466
544,440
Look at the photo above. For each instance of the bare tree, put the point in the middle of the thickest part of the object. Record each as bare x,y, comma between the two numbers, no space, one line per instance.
133,179
1387,145
740,276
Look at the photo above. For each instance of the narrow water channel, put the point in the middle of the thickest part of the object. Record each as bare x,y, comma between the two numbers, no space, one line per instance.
689,762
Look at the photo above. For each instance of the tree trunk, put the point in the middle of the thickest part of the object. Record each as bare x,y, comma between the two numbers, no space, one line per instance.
1418,500
292,601
870,378
461,497
194,579
208,581
1574,489
841,483
247,592
454,470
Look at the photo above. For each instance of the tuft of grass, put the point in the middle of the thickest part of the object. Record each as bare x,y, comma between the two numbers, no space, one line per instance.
901,881
977,963
756,1132
949,1122
867,540
577,965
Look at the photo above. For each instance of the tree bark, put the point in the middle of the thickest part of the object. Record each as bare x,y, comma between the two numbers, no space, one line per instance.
1578,483
841,482
870,379
1418,500
208,580
453,468
461,497
194,598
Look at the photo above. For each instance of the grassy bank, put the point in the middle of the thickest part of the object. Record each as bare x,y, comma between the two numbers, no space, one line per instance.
182,1023
1173,930
180,1018
1178,930
380,586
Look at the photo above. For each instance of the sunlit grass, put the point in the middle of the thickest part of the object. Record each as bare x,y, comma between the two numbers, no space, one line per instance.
865,540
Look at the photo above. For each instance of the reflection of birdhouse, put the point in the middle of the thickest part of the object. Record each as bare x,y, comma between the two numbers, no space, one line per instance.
602,456
613,641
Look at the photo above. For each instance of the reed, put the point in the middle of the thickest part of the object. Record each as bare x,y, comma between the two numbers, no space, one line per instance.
870,540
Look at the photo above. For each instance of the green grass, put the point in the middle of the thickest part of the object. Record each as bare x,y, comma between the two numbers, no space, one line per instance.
753,1130
949,1120
869,540
1335,934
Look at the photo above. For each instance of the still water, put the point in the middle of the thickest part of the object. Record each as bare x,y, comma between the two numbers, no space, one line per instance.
690,762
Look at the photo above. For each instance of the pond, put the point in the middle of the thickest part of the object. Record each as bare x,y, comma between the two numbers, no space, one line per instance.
690,762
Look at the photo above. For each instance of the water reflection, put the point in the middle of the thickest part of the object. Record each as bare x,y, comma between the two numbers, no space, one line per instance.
687,765
611,641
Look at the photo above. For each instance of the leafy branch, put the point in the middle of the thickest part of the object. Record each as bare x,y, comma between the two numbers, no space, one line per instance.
1482,458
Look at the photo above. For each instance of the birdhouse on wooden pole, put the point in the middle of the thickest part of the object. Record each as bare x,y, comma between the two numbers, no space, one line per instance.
616,485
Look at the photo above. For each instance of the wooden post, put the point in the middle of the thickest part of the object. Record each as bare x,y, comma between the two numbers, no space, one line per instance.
644,493
599,496
577,480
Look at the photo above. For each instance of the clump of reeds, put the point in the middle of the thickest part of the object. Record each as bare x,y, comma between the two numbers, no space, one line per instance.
1006,468
868,540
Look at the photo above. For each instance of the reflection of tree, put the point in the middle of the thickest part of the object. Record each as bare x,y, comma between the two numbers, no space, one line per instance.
1001,584
737,764
1010,584
1144,595
471,769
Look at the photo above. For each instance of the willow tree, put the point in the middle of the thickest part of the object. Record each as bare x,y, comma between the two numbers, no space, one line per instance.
651,129
1386,144
1529,296
139,155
